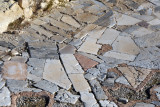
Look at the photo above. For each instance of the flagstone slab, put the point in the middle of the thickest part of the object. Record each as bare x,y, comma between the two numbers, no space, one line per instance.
125,45
90,46
127,20
5,99
80,84
108,36
71,64
134,76
121,56
54,72
14,70
69,20
85,62
141,32
97,32
154,22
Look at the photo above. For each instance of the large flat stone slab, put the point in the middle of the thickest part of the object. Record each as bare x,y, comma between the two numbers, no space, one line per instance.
79,82
127,20
125,45
14,70
108,36
134,76
90,46
71,64
54,72
5,99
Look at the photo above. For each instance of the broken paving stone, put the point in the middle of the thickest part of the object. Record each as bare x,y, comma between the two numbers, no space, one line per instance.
38,66
141,32
73,66
66,97
127,20
151,53
97,32
85,62
54,72
69,20
2,83
16,83
19,59
104,103
47,86
5,99
76,42
90,46
33,77
144,105
109,36
80,84
121,56
98,91
148,40
85,31
14,70
125,45
134,76
109,82
88,99
154,22
86,17
122,80
69,49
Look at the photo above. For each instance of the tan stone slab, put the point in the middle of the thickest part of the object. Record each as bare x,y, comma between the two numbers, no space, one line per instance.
71,64
42,31
90,46
141,32
58,24
117,55
97,32
14,70
69,20
125,45
134,76
86,17
85,31
79,82
54,72
38,22
108,36
127,20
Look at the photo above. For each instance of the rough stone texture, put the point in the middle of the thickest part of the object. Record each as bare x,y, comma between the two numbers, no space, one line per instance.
125,45
54,72
14,70
69,49
5,99
69,20
47,86
73,66
144,105
66,97
98,91
97,32
79,82
122,80
88,99
108,36
151,53
85,62
90,46
134,76
127,20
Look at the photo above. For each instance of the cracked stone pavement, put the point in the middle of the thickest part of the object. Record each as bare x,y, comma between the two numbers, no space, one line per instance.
91,53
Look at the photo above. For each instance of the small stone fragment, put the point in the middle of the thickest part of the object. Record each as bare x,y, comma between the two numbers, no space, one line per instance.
66,97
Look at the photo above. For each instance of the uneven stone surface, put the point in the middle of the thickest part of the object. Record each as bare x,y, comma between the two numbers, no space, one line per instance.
85,53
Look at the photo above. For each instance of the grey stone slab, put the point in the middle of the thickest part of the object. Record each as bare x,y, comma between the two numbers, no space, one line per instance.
148,58
122,80
16,83
104,20
66,97
152,39
98,91
88,99
2,83
47,86
156,2
5,99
